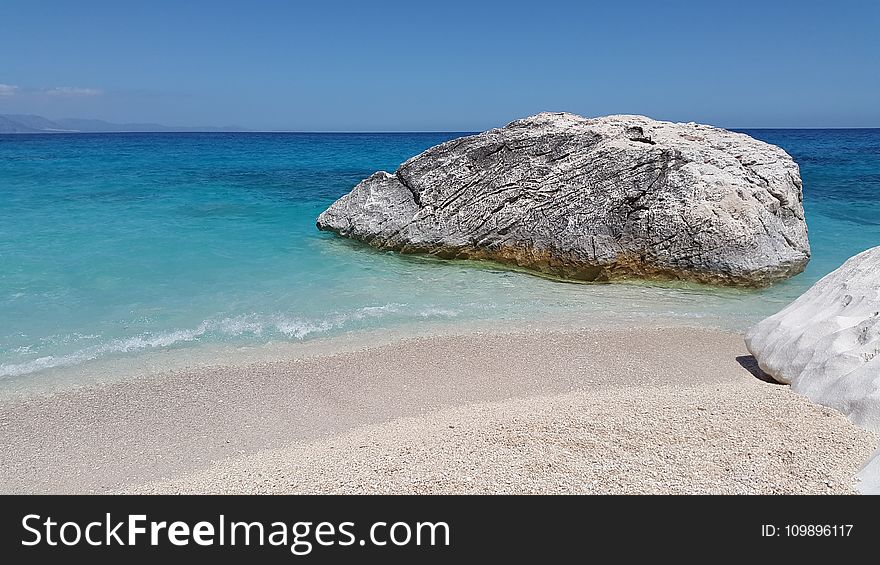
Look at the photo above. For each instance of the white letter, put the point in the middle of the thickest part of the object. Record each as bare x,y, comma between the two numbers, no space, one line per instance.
48,523
247,531
78,533
280,531
24,525
178,529
372,537
343,529
433,527
112,533
296,541
154,532
133,529
88,534
203,529
408,533
321,530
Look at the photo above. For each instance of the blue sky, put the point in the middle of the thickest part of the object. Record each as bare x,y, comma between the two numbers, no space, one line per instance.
449,65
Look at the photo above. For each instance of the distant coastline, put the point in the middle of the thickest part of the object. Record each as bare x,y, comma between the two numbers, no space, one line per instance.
30,123
34,124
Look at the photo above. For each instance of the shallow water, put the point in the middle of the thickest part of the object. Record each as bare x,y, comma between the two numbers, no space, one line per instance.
117,245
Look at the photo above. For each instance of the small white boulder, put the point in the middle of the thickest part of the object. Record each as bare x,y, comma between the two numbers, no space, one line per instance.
826,344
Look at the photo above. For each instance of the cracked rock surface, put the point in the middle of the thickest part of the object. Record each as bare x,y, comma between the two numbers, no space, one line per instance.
596,199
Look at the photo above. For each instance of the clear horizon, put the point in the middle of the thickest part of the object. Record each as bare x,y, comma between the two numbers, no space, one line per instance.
455,67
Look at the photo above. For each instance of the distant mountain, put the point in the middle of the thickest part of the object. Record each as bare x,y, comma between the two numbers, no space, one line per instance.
8,125
28,123
79,124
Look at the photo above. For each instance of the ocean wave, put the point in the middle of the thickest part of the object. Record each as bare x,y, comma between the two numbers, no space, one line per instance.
281,326
127,345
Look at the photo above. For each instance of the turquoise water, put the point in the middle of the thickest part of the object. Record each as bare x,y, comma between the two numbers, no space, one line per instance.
123,244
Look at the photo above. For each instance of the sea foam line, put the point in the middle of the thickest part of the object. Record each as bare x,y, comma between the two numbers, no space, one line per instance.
252,324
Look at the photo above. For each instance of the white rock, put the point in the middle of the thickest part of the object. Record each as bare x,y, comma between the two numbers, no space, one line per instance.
826,344
869,476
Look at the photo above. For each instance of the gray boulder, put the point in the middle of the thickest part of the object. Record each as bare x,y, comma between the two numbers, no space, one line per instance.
597,199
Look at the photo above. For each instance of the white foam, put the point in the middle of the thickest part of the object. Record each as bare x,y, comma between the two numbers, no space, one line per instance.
434,311
128,345
257,325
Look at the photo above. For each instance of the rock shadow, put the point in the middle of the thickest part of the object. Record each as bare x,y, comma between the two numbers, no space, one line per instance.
750,364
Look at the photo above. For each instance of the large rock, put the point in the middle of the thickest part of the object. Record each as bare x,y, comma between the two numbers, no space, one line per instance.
592,199
826,344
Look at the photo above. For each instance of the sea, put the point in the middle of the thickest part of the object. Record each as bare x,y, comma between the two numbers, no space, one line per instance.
115,247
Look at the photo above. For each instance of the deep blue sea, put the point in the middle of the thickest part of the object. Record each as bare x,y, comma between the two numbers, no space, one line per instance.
117,245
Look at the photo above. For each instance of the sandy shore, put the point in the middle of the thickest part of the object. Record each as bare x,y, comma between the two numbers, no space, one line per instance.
648,410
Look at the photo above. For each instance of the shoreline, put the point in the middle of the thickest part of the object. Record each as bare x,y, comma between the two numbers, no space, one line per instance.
219,428
153,363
